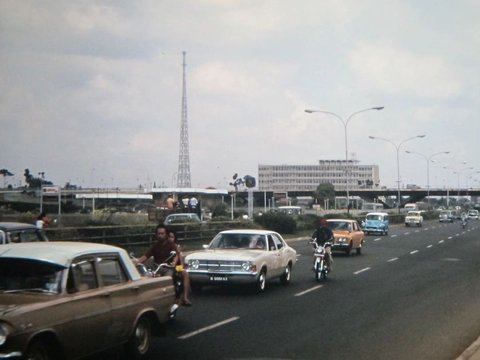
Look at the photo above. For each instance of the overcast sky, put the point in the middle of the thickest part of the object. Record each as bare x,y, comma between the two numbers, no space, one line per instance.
91,91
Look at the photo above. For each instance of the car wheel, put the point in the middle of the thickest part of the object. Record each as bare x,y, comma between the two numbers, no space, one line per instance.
348,249
261,282
287,275
359,249
141,338
38,350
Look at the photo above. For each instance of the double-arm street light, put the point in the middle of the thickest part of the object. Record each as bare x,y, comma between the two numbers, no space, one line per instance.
397,147
428,159
345,124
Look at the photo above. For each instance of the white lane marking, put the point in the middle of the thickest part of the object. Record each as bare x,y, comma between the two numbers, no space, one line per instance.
407,233
441,241
360,271
377,239
450,237
413,252
308,290
392,259
429,246
196,332
417,231
394,236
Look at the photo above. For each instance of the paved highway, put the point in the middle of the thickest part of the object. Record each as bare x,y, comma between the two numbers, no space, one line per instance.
411,295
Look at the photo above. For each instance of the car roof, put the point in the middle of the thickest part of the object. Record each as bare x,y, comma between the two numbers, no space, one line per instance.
61,252
10,226
248,231
349,220
376,213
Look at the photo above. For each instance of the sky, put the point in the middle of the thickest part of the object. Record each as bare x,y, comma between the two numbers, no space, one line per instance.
91,91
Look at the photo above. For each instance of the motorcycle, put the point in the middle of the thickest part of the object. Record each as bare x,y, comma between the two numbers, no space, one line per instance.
320,265
464,223
159,271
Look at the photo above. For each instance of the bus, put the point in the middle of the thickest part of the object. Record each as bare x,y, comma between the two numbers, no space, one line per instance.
372,206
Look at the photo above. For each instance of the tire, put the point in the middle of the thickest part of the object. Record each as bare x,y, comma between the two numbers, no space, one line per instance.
287,275
39,350
320,273
359,250
141,338
348,249
261,281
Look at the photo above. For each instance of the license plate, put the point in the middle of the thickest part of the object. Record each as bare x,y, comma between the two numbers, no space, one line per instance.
218,278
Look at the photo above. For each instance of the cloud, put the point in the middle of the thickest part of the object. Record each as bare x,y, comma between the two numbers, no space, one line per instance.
402,72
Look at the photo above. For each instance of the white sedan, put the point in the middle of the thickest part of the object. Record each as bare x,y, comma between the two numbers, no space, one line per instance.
242,257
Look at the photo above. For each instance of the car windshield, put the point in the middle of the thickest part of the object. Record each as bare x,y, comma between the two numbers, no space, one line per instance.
19,275
238,241
339,225
375,217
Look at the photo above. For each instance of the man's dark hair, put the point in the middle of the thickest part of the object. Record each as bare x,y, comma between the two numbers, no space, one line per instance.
161,226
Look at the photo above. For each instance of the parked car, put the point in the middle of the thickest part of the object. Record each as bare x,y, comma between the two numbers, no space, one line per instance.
242,257
446,216
16,232
414,218
72,299
182,218
347,235
376,223
473,214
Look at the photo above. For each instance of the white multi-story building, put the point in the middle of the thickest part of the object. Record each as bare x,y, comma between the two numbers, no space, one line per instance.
308,177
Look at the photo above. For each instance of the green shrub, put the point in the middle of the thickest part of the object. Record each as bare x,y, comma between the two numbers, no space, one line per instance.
278,222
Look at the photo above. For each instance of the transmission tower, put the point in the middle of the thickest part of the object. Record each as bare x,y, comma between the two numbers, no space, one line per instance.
183,175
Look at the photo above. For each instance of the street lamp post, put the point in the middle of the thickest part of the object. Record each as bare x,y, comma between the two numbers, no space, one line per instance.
397,148
428,159
345,124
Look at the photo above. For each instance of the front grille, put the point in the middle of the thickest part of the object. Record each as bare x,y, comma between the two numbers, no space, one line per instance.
220,265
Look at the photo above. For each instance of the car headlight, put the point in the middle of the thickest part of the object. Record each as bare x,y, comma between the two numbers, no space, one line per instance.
246,266
5,330
342,239
193,264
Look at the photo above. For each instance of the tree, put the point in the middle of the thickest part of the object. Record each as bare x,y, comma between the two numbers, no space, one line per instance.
325,192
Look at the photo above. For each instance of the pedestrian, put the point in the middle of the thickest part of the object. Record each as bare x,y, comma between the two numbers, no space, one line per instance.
170,202
42,220
192,203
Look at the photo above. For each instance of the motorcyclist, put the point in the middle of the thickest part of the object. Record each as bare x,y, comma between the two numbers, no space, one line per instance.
323,234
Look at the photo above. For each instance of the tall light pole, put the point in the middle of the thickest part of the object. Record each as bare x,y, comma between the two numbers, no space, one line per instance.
458,172
428,159
345,124
397,147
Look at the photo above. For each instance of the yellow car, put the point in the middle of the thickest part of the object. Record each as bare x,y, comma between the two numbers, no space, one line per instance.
347,235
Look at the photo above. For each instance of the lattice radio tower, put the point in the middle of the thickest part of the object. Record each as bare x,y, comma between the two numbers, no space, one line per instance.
183,175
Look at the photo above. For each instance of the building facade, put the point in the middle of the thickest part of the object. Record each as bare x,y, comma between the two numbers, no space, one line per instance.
308,177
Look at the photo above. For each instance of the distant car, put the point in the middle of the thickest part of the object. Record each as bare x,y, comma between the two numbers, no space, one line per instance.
414,218
16,232
182,218
347,235
68,300
242,257
473,214
446,216
376,223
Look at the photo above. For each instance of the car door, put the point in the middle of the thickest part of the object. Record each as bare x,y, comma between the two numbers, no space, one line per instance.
357,234
123,296
273,257
87,331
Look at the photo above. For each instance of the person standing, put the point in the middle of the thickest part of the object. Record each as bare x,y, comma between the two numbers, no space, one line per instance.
170,202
